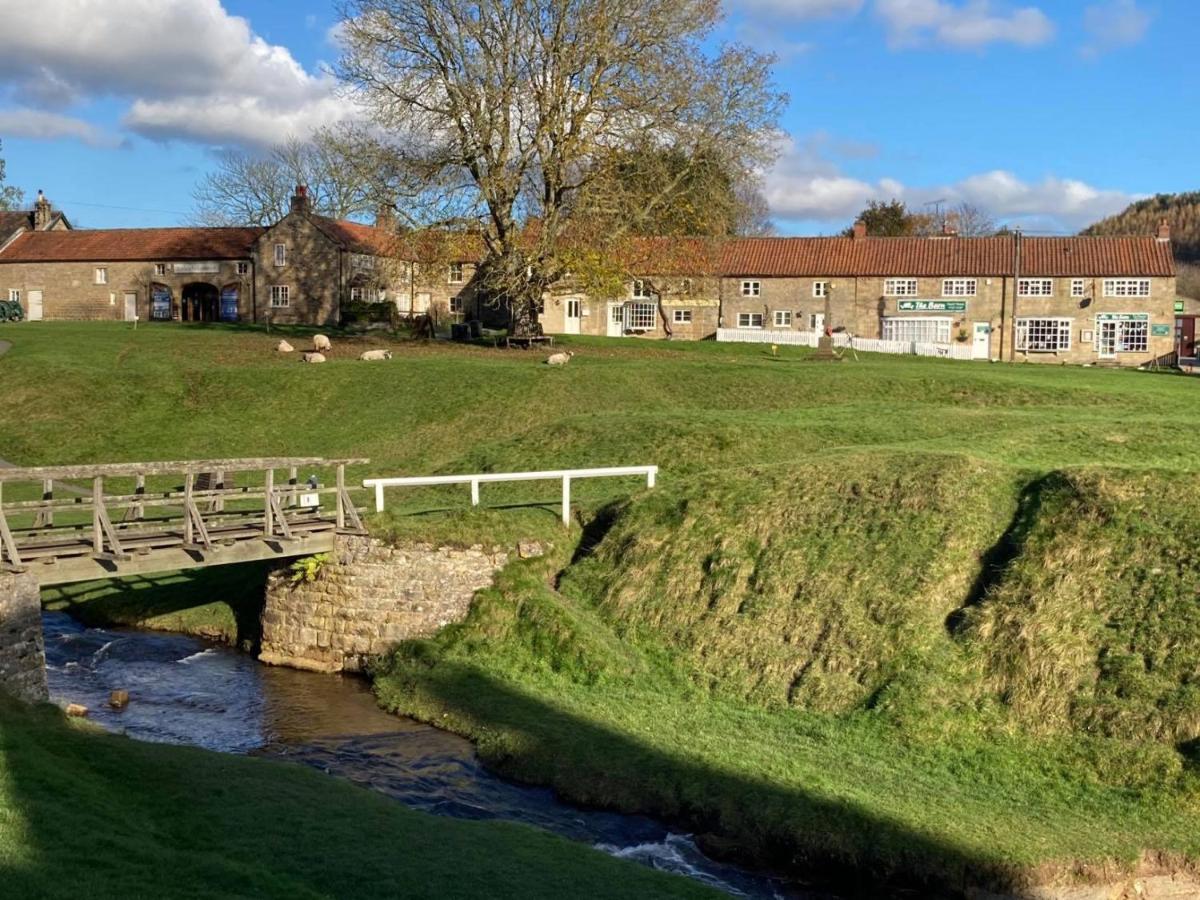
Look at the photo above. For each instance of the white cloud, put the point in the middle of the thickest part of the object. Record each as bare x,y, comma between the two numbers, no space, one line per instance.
795,10
39,124
806,186
975,23
1118,23
185,64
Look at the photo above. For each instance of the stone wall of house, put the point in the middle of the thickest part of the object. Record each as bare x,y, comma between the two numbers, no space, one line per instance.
367,598
22,651
314,270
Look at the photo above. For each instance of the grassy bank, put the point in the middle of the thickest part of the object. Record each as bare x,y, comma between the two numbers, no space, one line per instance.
84,813
893,617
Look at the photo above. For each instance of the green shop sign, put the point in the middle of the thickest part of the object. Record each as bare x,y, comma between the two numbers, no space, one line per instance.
1122,317
1178,306
1160,330
932,305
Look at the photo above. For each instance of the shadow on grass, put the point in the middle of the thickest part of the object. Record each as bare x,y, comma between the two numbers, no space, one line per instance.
839,845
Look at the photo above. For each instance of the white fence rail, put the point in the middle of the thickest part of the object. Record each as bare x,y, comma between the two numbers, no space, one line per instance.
867,345
566,475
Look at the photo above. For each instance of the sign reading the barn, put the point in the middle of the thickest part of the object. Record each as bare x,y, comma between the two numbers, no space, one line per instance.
196,268
932,305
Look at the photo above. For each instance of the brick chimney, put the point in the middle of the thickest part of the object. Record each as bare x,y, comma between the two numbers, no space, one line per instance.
42,213
300,199
1164,231
860,230
385,217
949,229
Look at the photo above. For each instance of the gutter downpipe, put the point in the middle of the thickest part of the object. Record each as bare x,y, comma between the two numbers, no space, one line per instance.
1016,293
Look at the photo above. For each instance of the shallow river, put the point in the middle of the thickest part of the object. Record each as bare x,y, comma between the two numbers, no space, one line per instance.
187,691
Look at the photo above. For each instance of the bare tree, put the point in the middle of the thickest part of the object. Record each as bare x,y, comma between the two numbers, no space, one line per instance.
511,108
249,189
11,196
970,220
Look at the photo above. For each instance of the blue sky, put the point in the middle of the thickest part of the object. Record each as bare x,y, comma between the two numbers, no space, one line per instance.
1048,114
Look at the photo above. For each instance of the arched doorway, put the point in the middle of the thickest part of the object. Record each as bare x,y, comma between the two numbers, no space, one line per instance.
200,302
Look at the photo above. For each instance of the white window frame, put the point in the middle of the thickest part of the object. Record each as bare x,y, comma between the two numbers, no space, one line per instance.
243,267
14,295
280,255
751,288
1035,287
362,293
681,316
820,289
1078,287
917,329
747,320
101,275
960,287
900,287
783,318
160,268
640,290
1122,328
456,303
1052,334
455,273
1126,287
281,296
642,316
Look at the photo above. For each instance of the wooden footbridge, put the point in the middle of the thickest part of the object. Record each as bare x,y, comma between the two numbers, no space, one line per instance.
77,523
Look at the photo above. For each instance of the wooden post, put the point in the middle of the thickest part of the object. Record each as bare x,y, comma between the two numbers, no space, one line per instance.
566,501
475,492
97,505
139,510
292,486
188,481
379,498
45,517
268,517
219,503
341,492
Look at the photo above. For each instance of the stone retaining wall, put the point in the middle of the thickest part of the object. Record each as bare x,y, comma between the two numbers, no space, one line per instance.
22,650
367,598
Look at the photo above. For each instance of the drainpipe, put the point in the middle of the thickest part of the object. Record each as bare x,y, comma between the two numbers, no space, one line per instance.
1016,291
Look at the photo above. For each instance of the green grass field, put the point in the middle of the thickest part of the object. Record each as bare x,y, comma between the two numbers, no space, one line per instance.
893,617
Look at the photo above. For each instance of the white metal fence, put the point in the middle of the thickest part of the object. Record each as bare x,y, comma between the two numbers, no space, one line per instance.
867,345
566,475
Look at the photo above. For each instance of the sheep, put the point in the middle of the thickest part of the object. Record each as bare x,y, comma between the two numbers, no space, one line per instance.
321,343
372,355
560,359
311,356
284,347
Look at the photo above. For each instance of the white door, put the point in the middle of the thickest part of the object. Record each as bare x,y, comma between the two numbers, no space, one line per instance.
616,319
981,346
571,317
35,306
130,306
816,322
1106,340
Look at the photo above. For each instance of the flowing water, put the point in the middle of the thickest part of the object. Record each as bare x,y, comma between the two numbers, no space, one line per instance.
187,691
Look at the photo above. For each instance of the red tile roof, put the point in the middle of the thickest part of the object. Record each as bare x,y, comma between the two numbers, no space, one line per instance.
355,236
132,244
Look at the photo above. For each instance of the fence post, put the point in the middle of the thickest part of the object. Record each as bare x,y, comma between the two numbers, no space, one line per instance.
188,481
268,516
292,486
474,491
378,498
139,510
219,503
341,492
97,505
650,474
45,518
566,500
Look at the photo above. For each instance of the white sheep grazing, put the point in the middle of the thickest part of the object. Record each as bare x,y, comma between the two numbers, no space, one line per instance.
311,356
560,359
321,343
284,347
372,355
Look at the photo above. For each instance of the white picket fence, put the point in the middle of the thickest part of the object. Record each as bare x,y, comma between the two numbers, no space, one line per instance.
867,345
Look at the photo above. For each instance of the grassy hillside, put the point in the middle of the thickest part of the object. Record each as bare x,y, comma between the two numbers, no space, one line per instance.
1182,212
86,814
893,616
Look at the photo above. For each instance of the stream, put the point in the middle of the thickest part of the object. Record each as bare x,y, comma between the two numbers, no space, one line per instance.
186,690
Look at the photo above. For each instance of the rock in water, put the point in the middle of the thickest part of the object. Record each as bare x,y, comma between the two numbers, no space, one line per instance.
77,710
118,699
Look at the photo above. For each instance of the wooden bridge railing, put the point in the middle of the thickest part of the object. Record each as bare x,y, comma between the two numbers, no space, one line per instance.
206,511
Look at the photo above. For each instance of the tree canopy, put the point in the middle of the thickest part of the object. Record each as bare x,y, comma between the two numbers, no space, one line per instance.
893,218
502,114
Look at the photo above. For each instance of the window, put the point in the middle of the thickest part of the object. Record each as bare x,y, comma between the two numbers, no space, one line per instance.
1122,333
456,304
820,288
281,254
750,320
681,316
361,294
900,287
456,273
1035,287
1043,335
14,296
641,290
1078,287
160,268
243,268
751,288
101,275
931,330
959,287
641,316
280,295
783,318
1127,287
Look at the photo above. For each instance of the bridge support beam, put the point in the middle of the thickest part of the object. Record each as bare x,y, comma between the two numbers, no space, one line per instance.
22,647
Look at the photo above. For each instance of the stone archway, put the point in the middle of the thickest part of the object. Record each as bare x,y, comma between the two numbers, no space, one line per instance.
200,302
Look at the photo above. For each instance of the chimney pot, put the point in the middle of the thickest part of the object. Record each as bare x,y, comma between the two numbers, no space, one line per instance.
300,199
42,212
1164,230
